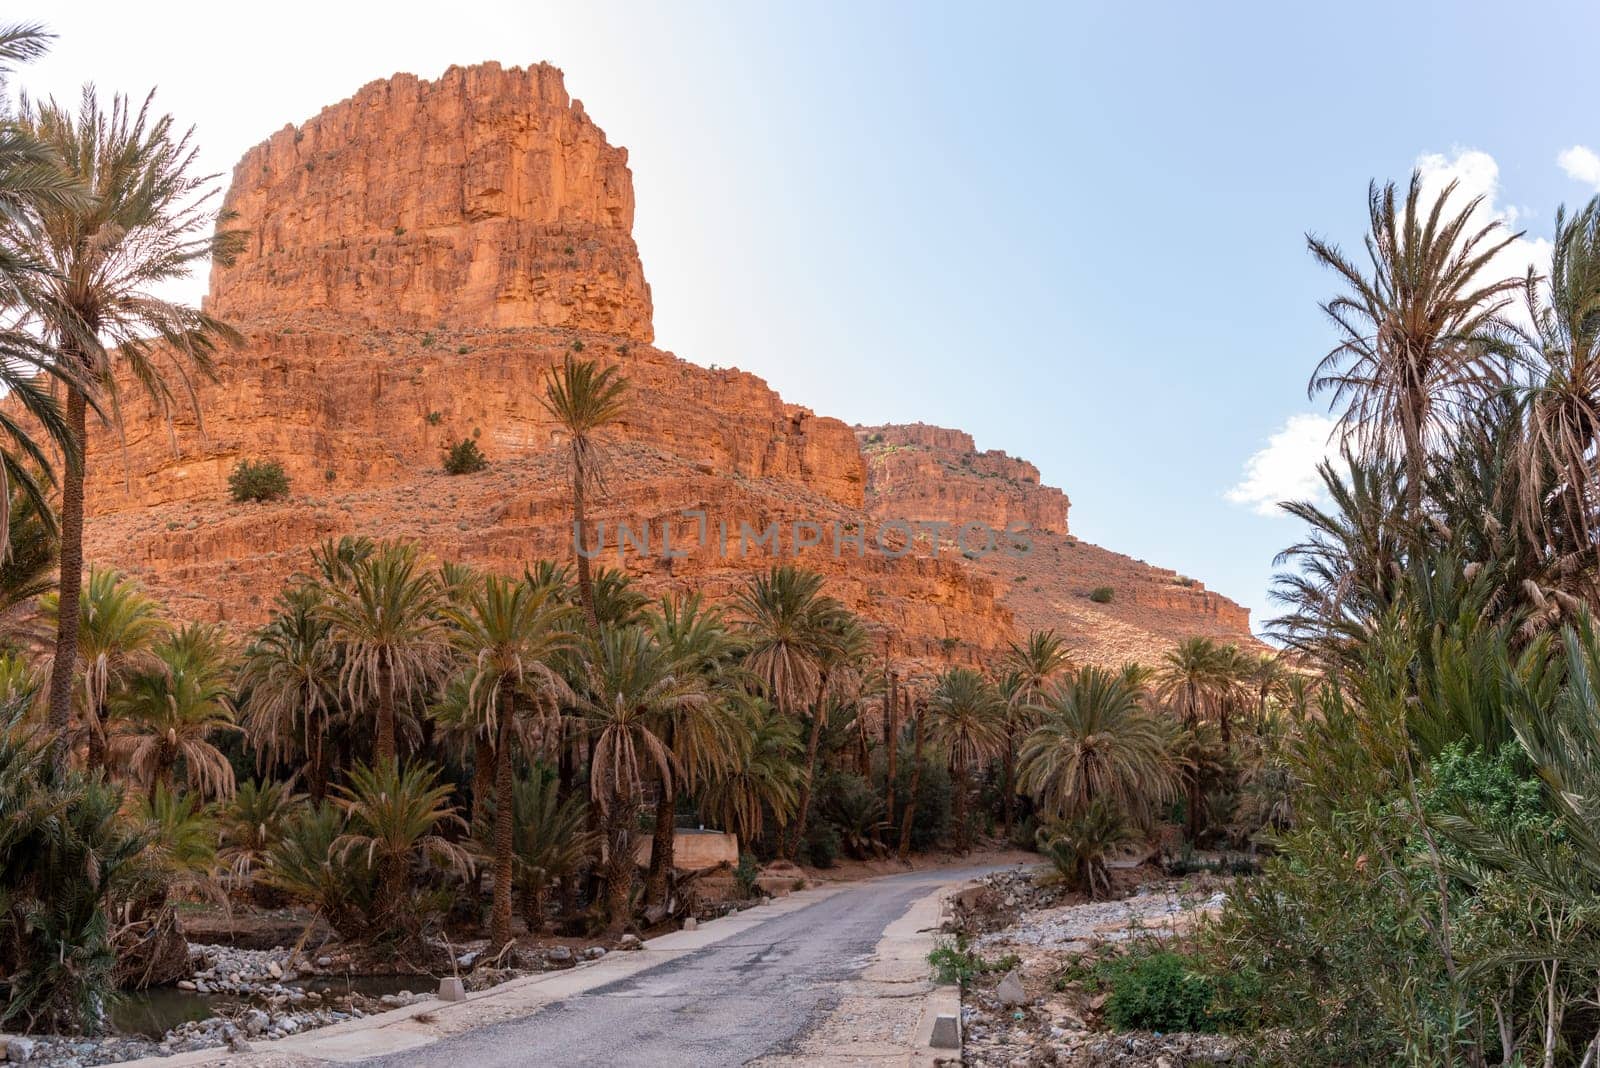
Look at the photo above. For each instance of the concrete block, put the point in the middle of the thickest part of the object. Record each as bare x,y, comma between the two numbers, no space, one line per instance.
946,1031
451,989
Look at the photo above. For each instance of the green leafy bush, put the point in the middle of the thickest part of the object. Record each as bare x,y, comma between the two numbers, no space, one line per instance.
745,875
1102,595
955,962
1155,989
464,458
258,480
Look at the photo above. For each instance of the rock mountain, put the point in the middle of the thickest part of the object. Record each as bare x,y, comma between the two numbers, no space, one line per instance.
419,256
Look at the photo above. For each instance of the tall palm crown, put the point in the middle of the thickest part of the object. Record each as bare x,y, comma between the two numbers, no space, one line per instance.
966,717
1423,335
1034,663
1095,742
290,683
585,398
170,713
1192,678
1563,425
386,620
788,624
145,217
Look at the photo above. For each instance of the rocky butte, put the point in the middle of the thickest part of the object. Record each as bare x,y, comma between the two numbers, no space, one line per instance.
419,257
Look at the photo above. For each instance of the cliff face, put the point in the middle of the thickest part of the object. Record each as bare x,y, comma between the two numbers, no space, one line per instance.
484,199
420,256
926,472
921,472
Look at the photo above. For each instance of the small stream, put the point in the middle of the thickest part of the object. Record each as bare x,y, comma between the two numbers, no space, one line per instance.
152,1013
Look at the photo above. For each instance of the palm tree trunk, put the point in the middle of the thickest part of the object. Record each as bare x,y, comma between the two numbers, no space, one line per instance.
662,848
958,778
619,865
392,891
891,753
483,783
916,785
500,910
1009,771
580,524
534,899
70,588
316,766
386,749
95,730
804,808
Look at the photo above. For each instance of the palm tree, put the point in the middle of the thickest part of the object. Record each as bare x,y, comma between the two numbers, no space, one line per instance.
386,622
966,720
1423,337
585,398
705,737
553,842
765,778
144,218
795,636
1347,567
290,683
252,823
631,689
32,180
1564,394
169,714
786,620
510,635
1031,666
393,818
1095,742
1192,681
118,632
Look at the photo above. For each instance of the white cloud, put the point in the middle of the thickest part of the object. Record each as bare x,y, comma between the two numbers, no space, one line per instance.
1476,174
1581,165
1286,469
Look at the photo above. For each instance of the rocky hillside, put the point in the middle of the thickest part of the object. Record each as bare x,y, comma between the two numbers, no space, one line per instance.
921,472
419,256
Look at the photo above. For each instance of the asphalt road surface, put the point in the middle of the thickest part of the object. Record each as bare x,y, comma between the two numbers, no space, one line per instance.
748,996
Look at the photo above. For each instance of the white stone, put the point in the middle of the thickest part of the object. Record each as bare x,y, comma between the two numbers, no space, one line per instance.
1010,992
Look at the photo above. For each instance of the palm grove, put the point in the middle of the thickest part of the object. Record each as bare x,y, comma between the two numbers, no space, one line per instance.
408,744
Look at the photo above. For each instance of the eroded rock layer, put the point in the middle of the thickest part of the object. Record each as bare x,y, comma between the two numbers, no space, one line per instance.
420,256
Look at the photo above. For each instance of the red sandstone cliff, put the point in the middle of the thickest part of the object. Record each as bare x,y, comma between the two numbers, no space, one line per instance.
420,255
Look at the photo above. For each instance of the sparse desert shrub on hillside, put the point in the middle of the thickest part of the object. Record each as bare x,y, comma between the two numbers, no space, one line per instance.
464,458
1102,595
258,480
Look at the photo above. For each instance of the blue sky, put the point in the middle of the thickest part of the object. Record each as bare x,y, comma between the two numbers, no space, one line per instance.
1077,233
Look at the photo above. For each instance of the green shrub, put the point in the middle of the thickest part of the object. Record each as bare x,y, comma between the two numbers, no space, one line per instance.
955,962
68,858
464,458
258,480
435,418
745,875
1157,989
1102,594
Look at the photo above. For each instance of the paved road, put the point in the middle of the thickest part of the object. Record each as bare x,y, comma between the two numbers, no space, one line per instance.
750,995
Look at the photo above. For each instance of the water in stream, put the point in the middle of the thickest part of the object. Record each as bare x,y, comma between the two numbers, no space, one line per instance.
152,1013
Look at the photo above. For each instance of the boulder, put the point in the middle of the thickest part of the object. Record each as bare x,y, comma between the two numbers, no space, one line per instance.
1010,992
